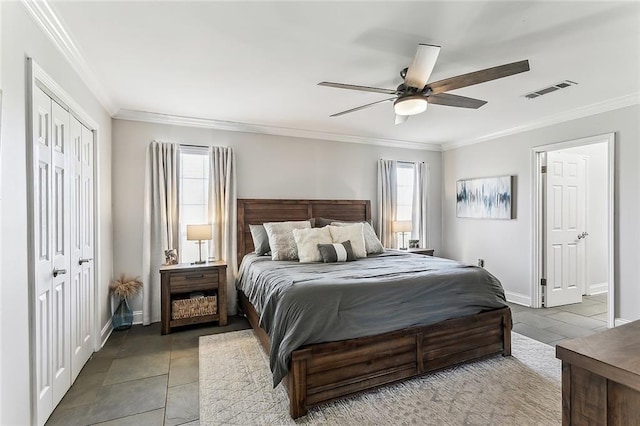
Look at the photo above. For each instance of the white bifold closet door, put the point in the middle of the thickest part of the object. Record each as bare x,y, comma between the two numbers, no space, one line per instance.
82,265
63,222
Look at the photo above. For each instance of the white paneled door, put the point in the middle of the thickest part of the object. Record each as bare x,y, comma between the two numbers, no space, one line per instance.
62,237
565,228
82,273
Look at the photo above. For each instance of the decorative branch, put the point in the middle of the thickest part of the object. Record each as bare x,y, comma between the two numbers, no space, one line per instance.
125,286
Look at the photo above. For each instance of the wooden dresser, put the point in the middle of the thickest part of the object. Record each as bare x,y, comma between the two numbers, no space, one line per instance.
601,377
193,294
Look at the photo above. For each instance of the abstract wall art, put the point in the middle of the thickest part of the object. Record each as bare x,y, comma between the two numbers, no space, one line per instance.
484,198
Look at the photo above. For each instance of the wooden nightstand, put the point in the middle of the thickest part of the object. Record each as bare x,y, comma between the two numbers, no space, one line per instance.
422,251
180,283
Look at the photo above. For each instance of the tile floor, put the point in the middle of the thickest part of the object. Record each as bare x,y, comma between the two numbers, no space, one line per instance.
143,378
140,378
554,325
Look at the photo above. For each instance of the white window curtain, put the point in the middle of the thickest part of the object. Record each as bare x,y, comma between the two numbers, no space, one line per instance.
160,230
387,196
419,213
223,215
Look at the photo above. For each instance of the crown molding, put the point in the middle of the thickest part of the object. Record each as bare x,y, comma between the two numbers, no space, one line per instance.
207,123
585,111
49,22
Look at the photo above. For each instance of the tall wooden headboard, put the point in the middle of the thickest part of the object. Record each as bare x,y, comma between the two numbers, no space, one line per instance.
259,211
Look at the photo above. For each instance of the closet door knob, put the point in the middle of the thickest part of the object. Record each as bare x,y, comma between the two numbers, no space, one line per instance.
81,260
57,272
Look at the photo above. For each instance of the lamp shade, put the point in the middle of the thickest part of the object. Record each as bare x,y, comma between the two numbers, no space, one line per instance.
199,232
402,226
410,105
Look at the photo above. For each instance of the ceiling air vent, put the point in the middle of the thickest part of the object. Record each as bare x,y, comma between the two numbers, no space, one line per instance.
561,85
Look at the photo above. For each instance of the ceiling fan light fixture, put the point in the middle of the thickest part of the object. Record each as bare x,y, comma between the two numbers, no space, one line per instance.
410,105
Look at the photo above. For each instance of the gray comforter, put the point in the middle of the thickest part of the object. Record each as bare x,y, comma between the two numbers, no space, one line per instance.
308,303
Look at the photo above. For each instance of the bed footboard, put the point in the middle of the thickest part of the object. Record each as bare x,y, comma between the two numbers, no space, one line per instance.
325,372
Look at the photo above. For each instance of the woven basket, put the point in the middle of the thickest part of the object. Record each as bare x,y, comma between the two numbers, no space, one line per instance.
188,308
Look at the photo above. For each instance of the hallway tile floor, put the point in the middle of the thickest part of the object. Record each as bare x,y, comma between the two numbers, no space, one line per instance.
143,378
554,325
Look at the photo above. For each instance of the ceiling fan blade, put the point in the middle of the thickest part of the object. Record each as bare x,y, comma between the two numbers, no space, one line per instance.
420,69
361,107
455,101
360,88
401,119
481,76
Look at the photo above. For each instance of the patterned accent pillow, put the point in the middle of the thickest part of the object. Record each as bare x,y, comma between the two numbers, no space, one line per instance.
337,252
281,241
353,233
260,239
371,242
307,242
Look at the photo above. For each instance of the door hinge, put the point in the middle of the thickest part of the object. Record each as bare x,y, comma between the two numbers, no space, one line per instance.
543,282
543,169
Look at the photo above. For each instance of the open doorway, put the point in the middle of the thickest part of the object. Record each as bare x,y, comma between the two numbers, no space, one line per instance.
573,227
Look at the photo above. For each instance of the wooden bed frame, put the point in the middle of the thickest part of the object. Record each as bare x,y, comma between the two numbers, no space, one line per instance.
324,372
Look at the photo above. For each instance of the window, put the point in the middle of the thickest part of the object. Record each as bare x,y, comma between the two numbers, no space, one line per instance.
193,175
404,203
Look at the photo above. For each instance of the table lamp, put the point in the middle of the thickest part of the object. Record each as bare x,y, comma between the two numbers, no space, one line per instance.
402,226
199,233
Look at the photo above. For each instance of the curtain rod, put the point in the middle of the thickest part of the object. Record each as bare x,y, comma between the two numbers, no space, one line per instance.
194,146
404,161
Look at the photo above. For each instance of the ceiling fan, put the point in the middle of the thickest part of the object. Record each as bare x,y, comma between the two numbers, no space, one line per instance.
412,96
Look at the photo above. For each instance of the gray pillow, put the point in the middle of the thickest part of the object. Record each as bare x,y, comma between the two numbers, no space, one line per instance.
321,222
337,252
260,239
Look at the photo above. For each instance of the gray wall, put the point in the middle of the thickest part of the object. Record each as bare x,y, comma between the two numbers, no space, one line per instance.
267,167
21,37
506,246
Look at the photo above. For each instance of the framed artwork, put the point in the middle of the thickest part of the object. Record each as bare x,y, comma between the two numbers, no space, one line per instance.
485,198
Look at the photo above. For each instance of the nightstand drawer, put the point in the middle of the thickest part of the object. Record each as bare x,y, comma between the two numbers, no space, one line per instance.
192,281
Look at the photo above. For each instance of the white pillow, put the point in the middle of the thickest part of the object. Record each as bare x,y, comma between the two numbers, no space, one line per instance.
281,241
353,233
371,242
307,241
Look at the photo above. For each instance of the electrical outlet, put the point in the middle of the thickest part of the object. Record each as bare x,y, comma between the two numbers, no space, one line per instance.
481,263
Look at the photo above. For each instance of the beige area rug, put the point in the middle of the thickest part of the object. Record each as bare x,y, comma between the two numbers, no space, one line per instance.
525,389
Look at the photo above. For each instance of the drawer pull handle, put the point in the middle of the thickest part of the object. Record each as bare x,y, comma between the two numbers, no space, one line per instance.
194,277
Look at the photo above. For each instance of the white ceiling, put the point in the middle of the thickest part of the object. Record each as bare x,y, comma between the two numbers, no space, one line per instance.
259,63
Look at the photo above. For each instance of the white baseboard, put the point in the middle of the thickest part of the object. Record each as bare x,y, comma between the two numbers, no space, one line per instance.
520,299
598,289
619,321
105,333
137,317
